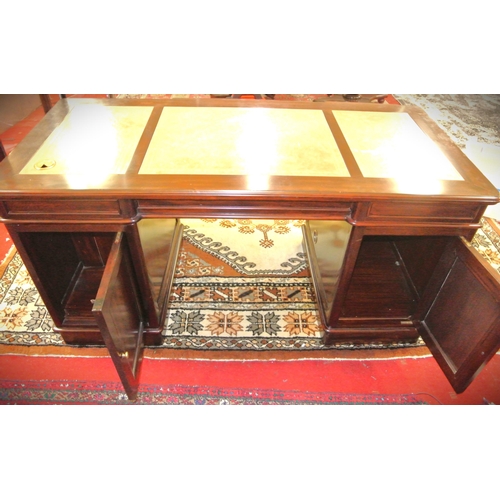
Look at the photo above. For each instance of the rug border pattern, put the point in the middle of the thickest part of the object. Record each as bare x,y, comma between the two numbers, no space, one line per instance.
102,393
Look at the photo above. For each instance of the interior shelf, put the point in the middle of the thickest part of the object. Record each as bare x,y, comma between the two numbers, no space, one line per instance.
78,308
379,288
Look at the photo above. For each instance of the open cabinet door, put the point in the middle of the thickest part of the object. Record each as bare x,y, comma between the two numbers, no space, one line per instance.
119,316
326,244
460,314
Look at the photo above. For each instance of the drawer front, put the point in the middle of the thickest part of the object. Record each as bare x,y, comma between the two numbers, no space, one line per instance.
423,211
67,209
245,208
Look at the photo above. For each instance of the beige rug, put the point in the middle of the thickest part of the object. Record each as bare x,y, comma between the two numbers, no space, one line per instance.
233,292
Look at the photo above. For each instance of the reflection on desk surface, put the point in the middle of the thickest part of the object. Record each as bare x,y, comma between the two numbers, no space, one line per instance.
96,141
392,145
239,141
92,140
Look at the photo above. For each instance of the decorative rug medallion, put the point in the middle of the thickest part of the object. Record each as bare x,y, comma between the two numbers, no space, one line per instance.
249,239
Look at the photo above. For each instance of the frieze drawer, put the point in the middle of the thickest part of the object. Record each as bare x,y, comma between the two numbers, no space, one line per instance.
65,209
240,207
422,211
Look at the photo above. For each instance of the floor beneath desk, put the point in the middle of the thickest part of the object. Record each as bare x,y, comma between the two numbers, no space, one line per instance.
80,380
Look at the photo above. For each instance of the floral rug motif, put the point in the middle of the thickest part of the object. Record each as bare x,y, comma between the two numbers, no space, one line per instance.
247,226
487,243
257,247
243,313
24,319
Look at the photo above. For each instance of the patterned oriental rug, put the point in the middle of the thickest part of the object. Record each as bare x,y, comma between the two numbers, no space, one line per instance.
55,392
240,286
464,117
242,290
77,380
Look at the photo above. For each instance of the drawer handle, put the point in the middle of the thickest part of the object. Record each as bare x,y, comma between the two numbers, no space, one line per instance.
315,236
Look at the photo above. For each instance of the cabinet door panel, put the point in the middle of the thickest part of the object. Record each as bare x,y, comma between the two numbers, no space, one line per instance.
117,309
461,318
326,246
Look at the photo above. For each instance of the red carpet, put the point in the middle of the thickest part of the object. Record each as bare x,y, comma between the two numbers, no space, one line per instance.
78,380
5,242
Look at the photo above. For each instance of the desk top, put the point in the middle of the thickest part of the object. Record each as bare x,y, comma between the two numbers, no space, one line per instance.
157,148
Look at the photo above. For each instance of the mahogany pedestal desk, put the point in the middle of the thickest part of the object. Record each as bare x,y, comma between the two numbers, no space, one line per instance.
94,194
